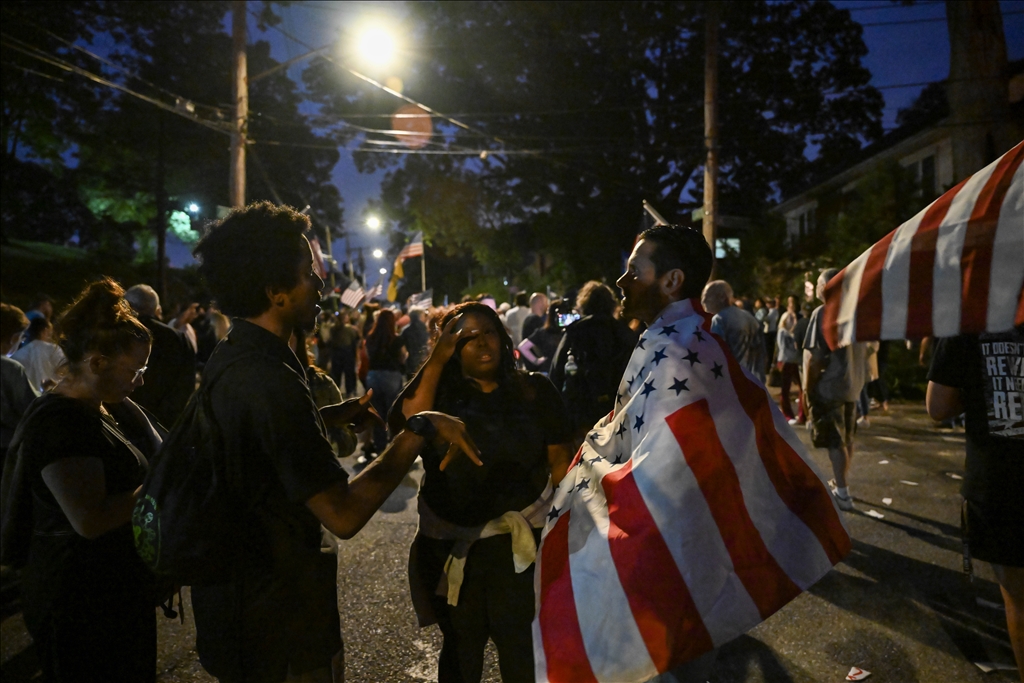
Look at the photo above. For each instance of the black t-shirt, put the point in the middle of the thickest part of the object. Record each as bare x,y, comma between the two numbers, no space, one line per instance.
545,339
286,594
512,428
532,323
171,374
64,568
989,371
387,357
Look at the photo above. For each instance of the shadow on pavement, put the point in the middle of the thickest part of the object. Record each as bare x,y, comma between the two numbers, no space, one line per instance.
736,658
905,595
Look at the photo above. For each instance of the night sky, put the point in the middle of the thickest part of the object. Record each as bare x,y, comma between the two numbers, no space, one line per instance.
906,45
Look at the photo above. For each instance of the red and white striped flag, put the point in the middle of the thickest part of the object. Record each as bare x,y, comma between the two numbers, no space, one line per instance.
353,294
413,249
690,514
957,267
318,258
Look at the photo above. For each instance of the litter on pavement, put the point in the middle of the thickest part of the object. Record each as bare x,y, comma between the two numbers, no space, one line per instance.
908,483
883,462
876,515
887,501
986,667
993,605
859,674
952,475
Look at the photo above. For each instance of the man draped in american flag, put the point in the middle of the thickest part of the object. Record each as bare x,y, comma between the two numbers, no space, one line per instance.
691,513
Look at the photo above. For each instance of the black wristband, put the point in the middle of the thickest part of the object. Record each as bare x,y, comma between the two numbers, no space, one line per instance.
420,425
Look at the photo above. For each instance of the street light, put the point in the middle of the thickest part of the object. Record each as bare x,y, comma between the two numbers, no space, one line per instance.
376,46
193,208
378,253
383,271
373,222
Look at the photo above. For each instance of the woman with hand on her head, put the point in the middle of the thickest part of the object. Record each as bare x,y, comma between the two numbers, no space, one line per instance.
89,602
479,525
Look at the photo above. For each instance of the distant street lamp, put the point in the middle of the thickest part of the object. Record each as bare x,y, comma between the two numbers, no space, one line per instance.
193,208
383,271
378,253
373,223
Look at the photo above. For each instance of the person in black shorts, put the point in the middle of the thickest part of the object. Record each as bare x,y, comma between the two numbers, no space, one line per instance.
983,376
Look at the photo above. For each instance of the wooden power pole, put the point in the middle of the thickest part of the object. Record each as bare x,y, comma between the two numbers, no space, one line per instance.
241,93
712,12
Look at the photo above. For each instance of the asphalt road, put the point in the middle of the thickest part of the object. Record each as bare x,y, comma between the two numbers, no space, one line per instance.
899,606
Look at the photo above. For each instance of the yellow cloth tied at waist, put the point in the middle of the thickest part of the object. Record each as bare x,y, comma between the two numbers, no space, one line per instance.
519,523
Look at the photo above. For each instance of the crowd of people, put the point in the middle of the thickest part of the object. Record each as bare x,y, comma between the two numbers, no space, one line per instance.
495,399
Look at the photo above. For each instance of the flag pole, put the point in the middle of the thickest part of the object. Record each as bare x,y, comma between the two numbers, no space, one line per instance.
423,271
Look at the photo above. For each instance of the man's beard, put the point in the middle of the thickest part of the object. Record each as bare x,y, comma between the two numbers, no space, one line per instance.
642,305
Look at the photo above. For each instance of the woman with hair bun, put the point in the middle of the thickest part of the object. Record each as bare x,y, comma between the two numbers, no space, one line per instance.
89,602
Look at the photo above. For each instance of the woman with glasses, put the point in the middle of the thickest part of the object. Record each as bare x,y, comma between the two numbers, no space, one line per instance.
89,602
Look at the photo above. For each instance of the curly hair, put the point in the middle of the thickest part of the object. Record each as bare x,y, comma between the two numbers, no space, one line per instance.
99,320
596,298
252,249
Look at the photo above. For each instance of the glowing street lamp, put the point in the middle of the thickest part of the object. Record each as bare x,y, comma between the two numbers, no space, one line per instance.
376,46
373,223
193,208
383,271
378,253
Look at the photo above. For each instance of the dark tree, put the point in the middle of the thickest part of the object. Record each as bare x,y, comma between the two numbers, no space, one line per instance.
600,105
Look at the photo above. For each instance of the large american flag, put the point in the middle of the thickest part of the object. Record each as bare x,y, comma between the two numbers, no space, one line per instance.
413,249
690,514
957,267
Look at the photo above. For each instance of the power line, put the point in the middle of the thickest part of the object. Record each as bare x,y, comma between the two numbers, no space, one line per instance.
115,66
47,58
329,57
924,21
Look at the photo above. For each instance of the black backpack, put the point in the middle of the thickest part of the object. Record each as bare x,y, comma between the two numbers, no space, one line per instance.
601,347
188,520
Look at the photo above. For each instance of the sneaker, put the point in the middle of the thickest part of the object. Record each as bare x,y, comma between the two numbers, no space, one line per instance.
845,503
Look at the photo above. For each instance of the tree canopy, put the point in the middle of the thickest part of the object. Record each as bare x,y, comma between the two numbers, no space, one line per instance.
586,109
117,152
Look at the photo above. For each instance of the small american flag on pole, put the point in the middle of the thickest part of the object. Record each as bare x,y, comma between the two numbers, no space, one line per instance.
413,249
377,291
690,514
353,294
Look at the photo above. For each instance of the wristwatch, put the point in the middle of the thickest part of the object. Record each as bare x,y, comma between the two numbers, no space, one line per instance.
420,425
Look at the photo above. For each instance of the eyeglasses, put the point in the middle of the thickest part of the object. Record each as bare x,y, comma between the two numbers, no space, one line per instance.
139,373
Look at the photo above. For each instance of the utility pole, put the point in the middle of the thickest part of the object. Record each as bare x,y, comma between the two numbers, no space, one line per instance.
161,210
241,93
712,16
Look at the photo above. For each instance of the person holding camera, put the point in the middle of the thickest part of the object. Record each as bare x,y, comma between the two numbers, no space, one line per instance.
591,357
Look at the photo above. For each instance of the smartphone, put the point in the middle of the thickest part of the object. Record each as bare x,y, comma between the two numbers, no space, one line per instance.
566,319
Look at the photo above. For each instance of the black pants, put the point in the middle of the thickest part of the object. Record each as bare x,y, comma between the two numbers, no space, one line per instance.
343,362
494,603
